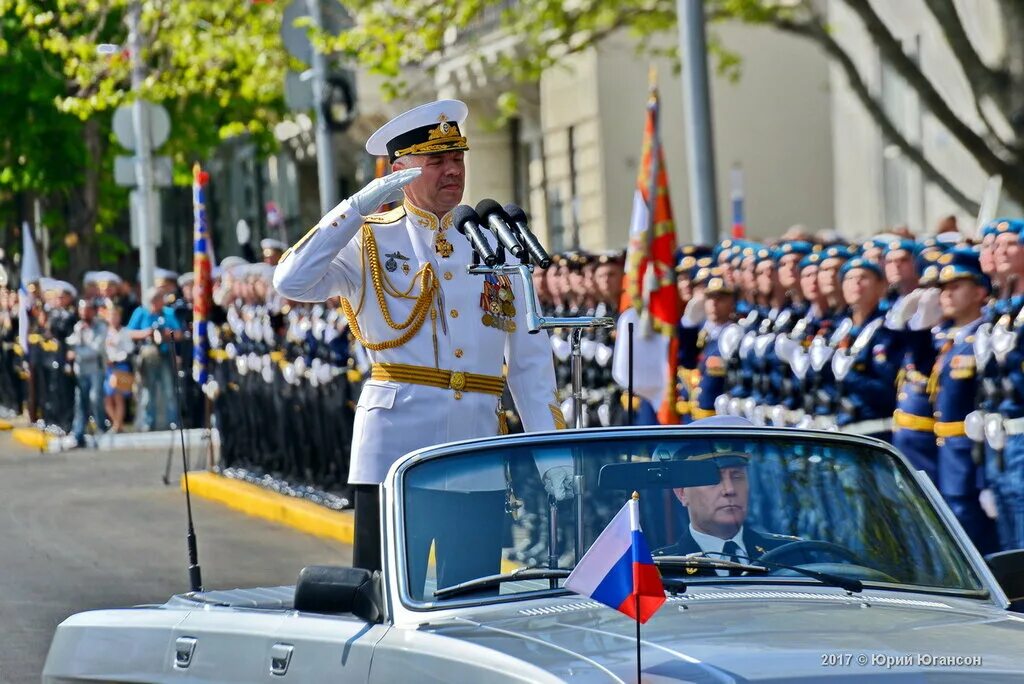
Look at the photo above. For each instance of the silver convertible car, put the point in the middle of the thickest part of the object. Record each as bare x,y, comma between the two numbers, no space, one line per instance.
786,555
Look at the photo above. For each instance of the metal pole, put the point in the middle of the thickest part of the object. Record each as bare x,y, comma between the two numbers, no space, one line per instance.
42,235
576,371
697,112
324,153
143,155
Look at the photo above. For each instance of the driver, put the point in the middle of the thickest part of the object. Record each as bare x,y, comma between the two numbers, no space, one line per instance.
717,516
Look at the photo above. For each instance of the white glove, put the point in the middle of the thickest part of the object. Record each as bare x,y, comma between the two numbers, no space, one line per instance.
561,348
902,310
988,503
603,355
929,311
377,192
785,347
558,482
555,468
587,349
242,232
694,315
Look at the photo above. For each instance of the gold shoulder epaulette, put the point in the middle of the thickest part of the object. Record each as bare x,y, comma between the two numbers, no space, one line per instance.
387,216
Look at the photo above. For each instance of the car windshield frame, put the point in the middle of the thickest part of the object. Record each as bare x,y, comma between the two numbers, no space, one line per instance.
396,535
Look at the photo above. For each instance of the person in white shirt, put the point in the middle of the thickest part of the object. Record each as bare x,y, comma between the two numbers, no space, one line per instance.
120,378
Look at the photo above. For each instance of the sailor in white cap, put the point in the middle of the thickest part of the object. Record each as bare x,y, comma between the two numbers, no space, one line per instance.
437,336
272,250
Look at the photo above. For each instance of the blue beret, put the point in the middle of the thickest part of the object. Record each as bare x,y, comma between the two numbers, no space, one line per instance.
800,247
687,256
860,262
812,259
1003,225
713,281
905,244
836,252
959,263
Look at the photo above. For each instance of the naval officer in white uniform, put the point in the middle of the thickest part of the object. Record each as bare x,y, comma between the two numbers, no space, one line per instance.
437,336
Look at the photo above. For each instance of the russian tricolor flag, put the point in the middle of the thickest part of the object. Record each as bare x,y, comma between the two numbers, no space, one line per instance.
618,569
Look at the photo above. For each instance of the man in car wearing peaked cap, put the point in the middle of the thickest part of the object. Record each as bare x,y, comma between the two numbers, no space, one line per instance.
436,335
718,513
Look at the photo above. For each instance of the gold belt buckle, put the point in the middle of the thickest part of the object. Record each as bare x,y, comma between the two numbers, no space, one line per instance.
458,381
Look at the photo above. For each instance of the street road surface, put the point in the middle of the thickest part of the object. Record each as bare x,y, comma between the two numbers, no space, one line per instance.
85,530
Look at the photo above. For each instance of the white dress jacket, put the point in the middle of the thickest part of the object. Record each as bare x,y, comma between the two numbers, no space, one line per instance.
341,257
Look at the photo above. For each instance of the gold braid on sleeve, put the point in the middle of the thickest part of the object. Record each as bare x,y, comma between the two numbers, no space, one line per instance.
423,301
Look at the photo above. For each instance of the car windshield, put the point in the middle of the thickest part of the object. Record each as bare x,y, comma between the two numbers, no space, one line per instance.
831,504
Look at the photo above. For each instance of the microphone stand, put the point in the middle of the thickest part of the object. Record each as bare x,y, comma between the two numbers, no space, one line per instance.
535,323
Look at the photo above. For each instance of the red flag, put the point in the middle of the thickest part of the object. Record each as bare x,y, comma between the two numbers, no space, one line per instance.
650,283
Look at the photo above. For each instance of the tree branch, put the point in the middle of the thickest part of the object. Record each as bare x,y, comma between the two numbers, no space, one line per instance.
983,80
815,31
892,51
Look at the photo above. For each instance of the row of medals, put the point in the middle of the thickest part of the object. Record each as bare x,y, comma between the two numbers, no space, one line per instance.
496,301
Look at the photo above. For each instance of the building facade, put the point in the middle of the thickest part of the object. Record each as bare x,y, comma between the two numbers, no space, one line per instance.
875,185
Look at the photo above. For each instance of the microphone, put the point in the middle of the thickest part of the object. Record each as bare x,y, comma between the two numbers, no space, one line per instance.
467,222
517,217
500,225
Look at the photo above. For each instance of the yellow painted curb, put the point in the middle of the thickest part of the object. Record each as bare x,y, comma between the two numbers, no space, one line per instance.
261,503
32,437
6,424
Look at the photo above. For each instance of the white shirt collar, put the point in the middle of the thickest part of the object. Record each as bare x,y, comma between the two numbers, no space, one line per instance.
711,544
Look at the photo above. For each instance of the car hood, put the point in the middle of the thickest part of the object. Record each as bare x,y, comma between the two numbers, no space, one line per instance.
763,635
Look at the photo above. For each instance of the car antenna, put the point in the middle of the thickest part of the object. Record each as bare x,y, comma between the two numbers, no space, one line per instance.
195,574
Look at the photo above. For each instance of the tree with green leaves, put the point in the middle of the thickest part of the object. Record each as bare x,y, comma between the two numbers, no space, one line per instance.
217,66
389,37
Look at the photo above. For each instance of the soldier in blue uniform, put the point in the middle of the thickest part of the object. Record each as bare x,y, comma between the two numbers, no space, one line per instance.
792,348
953,383
820,398
1004,429
705,318
690,259
900,268
788,306
866,358
913,422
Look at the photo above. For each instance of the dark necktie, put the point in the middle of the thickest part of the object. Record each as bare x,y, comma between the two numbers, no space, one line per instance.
732,549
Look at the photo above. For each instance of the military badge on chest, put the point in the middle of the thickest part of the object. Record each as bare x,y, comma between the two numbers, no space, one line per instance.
497,303
391,265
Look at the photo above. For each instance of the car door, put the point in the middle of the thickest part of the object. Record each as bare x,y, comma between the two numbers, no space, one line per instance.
323,648
240,645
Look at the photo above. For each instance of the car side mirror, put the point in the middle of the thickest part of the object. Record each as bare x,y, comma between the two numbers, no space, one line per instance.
333,590
1008,568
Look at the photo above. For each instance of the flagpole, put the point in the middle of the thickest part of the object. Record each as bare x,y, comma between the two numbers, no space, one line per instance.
636,598
638,638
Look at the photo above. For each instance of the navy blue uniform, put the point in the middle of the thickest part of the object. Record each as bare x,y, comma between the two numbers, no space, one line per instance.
1005,470
698,348
954,385
913,420
868,391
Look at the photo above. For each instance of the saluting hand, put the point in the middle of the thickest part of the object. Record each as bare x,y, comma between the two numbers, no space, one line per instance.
694,314
383,190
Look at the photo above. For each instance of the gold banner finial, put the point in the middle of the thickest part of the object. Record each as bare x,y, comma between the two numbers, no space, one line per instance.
652,76
636,496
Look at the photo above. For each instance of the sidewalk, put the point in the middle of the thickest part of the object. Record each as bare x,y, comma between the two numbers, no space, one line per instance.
52,442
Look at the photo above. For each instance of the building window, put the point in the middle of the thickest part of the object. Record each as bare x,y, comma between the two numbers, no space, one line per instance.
902,190
556,222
